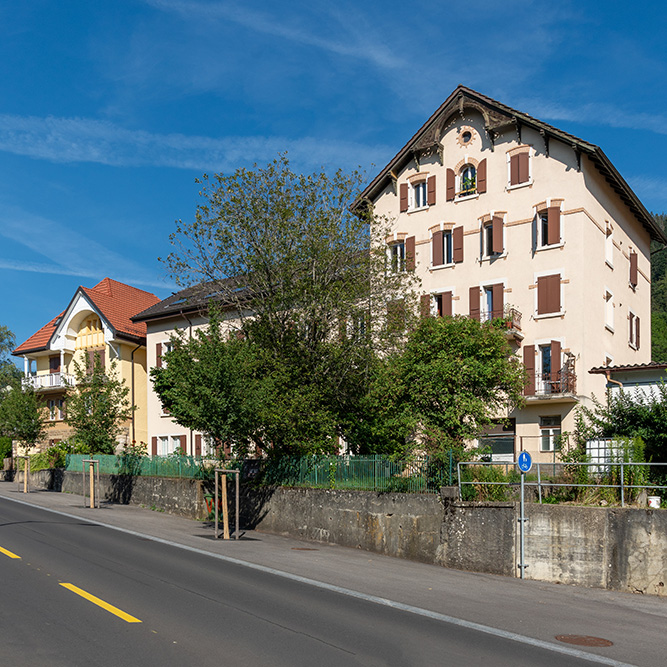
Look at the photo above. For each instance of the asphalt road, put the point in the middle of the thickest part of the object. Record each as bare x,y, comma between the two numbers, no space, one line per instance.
154,604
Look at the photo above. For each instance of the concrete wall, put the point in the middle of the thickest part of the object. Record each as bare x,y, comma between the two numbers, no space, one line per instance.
616,548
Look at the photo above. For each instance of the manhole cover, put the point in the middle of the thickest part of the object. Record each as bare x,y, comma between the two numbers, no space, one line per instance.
303,549
584,640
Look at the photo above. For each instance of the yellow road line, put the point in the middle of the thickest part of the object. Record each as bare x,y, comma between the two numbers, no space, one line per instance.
8,553
101,603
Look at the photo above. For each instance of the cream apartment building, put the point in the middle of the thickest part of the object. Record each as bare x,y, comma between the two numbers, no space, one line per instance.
502,215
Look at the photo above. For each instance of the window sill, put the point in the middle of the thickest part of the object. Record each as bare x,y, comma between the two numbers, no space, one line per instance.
608,328
417,210
437,267
609,264
461,198
545,316
493,258
633,346
550,247
527,184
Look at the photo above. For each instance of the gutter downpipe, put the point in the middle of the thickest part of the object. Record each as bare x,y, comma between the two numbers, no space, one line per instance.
132,366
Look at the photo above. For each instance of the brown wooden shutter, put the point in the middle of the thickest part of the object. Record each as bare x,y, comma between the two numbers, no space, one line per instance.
154,446
410,262
425,305
497,234
54,364
430,191
514,170
184,443
548,294
474,302
553,225
633,268
158,355
481,177
522,167
451,184
457,244
437,249
198,445
529,365
403,190
497,297
637,332
555,367
446,303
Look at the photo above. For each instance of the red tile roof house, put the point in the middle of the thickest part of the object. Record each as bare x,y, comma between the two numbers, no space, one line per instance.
96,321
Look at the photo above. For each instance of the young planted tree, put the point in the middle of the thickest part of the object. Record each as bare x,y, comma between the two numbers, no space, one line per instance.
96,406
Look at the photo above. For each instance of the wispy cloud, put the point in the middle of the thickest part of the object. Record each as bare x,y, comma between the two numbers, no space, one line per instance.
69,252
102,142
596,113
363,48
649,188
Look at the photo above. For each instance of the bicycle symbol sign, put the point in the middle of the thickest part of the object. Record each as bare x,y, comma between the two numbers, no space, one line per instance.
524,462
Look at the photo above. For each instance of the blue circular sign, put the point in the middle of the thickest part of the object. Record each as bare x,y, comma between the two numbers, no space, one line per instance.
524,462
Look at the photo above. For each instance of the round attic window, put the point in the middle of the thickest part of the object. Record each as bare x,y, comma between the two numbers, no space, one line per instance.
466,136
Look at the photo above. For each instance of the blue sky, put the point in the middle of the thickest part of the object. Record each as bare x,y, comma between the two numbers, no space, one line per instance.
110,110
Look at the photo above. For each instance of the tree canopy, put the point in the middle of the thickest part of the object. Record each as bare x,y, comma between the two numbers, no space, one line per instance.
22,416
96,406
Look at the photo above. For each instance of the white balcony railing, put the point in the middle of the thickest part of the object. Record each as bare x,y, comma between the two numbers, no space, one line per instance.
48,381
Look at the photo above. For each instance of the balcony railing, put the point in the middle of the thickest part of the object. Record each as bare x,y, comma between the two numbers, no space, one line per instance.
557,382
511,316
48,381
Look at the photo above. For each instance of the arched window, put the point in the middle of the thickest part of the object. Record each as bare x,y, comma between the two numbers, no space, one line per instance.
467,180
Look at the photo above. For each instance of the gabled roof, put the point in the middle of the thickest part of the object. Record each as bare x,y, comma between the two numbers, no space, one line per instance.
498,118
194,299
114,301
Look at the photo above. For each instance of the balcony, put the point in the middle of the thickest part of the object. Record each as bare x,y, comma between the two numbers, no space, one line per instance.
557,386
510,317
48,381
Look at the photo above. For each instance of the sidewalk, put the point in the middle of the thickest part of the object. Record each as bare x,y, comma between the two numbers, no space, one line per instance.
635,624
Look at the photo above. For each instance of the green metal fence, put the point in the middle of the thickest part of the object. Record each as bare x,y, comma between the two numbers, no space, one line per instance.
148,466
369,473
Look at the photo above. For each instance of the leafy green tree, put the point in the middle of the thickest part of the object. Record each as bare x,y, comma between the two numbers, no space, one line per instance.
206,383
96,406
9,374
453,378
659,296
308,281
22,416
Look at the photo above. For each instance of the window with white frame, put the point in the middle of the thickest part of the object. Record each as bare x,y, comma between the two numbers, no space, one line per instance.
609,310
467,181
442,248
633,339
550,430
56,409
168,444
493,237
419,195
609,246
396,256
548,227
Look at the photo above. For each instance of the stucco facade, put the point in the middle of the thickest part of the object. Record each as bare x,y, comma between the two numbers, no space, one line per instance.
541,231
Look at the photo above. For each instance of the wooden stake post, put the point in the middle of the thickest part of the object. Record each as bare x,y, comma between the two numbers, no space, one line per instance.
93,481
26,472
221,477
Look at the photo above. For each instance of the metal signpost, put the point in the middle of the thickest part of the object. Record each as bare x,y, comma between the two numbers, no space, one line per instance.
524,463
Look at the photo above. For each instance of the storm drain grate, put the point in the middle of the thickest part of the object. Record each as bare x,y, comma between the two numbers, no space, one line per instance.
584,640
